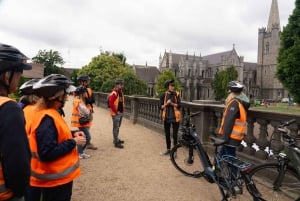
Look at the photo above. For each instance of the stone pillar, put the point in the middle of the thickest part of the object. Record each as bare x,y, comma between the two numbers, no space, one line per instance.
276,143
249,138
262,141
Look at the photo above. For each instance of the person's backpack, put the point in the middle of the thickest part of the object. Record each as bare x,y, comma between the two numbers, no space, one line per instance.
108,96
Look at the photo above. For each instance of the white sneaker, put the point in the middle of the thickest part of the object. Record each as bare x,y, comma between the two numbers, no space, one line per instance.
84,156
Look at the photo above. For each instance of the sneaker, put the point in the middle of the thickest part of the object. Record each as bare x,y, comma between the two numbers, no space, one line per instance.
119,145
84,156
91,146
167,152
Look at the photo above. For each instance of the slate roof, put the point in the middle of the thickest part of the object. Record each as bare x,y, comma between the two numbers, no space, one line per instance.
37,71
248,66
146,73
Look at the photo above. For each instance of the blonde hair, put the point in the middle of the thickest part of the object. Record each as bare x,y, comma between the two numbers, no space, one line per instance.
230,96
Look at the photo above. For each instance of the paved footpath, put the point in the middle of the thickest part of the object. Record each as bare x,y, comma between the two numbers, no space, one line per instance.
135,173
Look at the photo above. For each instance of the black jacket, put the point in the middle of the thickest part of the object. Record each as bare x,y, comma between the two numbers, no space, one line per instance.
170,114
14,148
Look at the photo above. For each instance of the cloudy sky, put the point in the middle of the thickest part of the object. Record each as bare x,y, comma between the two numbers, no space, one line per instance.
141,29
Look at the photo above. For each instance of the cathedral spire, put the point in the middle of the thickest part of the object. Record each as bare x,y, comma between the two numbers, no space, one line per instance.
274,16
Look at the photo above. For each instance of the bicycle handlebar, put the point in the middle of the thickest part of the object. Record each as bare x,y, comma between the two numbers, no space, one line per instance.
195,114
283,124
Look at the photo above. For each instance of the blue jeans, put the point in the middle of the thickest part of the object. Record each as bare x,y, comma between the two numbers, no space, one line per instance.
87,133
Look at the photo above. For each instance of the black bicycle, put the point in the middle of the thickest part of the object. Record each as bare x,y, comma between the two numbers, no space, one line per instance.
280,180
228,172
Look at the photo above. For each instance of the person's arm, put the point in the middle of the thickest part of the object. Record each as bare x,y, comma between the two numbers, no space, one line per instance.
178,102
112,99
83,110
14,148
229,120
47,141
162,102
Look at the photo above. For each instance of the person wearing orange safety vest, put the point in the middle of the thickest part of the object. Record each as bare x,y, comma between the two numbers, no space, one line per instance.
55,161
14,147
234,120
80,109
170,105
89,100
116,102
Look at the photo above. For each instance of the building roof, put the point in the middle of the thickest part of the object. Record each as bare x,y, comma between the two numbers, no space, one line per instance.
37,71
248,66
217,58
146,73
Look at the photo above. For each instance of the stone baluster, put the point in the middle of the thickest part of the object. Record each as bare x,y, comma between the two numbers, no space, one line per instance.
249,137
218,116
276,144
262,141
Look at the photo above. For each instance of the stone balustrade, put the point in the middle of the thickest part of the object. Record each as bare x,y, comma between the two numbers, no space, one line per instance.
261,126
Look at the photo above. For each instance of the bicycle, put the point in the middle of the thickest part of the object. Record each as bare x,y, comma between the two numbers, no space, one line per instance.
228,172
280,179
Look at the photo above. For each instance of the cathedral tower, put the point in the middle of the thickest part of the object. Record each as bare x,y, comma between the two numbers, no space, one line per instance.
268,45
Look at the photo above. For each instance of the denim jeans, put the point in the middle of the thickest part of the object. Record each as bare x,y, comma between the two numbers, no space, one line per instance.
117,121
87,133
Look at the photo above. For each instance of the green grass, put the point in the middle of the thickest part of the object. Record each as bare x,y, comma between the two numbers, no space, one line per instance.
280,108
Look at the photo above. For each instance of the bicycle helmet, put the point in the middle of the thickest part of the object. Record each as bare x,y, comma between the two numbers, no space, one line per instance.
168,82
11,59
83,78
48,86
80,90
235,86
119,81
26,87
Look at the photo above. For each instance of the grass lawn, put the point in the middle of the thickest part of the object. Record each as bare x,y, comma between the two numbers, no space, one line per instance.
280,108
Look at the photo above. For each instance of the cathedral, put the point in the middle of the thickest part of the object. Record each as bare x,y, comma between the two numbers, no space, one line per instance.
195,72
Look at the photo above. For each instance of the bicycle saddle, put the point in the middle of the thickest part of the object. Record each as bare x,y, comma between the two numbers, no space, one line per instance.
217,141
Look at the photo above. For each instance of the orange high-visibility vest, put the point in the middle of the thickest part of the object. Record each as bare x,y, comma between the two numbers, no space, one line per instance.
61,170
5,193
76,115
176,111
239,127
116,103
28,115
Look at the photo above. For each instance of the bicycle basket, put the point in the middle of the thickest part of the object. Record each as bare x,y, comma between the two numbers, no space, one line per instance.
236,162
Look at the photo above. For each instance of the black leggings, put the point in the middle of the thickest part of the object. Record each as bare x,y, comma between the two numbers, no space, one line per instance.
58,193
167,127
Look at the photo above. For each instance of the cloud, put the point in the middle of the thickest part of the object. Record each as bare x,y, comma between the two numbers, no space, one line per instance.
141,29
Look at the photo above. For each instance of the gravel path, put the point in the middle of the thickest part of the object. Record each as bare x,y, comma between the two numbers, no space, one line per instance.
135,173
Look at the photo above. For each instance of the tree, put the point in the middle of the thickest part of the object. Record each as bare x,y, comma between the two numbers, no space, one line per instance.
50,59
288,67
106,67
219,83
166,75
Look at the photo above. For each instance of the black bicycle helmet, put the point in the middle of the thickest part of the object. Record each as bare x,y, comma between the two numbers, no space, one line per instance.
51,84
119,81
235,86
80,90
26,87
11,59
83,78
168,82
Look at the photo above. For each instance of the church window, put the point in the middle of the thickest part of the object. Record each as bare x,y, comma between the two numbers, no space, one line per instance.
267,47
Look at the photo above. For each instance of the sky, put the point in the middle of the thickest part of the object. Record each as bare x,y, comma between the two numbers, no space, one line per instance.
140,29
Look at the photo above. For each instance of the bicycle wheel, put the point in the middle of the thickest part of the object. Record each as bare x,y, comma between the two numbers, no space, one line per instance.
264,177
186,160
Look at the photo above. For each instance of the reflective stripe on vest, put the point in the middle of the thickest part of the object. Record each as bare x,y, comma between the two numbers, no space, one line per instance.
60,171
5,193
239,127
176,111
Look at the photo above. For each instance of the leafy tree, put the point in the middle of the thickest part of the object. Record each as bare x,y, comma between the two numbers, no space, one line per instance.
219,83
288,67
166,75
50,59
106,67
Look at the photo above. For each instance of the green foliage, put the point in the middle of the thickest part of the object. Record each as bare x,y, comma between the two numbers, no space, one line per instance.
288,67
50,59
166,75
106,67
219,83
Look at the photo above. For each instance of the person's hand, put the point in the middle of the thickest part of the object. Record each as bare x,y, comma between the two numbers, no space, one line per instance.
169,102
79,133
